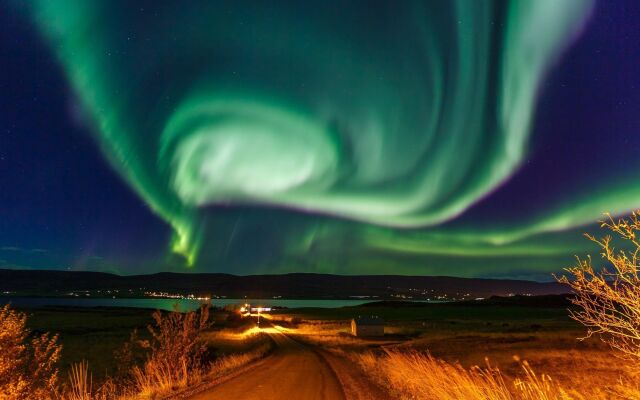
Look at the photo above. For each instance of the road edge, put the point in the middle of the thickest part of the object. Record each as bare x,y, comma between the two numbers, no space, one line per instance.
209,384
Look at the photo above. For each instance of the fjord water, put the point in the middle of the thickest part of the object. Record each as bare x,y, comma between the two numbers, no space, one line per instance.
169,304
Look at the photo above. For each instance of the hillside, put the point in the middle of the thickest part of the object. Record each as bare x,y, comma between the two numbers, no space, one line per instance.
296,285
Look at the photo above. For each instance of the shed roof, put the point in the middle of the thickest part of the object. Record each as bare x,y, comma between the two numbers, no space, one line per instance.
369,320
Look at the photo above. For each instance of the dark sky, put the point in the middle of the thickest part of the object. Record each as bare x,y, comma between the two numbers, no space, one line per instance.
99,170
61,204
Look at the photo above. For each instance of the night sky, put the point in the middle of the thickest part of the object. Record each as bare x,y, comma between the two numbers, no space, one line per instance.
468,138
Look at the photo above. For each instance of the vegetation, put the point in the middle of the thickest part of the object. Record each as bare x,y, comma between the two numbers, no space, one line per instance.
416,375
608,301
27,361
175,357
428,352
174,353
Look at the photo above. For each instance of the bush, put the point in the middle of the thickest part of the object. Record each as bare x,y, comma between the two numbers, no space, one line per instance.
27,366
175,351
608,301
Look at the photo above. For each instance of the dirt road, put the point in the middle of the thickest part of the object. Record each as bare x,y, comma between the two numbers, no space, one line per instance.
293,372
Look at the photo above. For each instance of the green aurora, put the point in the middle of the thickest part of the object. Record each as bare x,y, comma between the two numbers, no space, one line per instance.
381,127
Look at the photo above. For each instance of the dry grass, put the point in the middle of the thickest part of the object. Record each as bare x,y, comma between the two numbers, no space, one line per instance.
416,375
175,360
452,373
557,353
608,304
80,380
328,334
229,363
157,377
239,348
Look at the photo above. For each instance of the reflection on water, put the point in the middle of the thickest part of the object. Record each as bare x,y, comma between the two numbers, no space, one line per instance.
168,304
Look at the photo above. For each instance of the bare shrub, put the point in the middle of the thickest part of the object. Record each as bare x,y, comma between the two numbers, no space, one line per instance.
27,366
175,351
608,301
175,357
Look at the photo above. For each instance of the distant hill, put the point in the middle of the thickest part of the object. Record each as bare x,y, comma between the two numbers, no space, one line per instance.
296,285
546,301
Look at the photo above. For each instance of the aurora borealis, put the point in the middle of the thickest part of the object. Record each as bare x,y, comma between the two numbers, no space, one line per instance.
366,137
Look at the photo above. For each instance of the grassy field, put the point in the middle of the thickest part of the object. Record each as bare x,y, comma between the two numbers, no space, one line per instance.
91,334
445,321
94,334
467,334
470,335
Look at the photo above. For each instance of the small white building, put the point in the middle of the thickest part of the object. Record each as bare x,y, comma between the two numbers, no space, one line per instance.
367,326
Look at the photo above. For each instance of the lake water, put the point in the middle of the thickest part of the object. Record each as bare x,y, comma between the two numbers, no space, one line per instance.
168,304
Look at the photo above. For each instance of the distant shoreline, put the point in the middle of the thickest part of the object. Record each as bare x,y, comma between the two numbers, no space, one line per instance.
287,286
551,301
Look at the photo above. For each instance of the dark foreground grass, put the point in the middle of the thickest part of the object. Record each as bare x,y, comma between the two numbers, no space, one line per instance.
94,334
91,334
447,317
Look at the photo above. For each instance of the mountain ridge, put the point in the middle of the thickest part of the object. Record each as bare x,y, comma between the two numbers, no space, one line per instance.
291,285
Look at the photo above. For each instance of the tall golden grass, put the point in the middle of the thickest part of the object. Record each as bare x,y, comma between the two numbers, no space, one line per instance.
151,384
416,375
80,379
607,303
175,359
412,375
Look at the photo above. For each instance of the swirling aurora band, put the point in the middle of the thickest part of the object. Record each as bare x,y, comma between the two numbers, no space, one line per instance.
400,118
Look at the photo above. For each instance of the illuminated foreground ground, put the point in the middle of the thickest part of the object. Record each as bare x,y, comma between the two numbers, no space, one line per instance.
293,371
